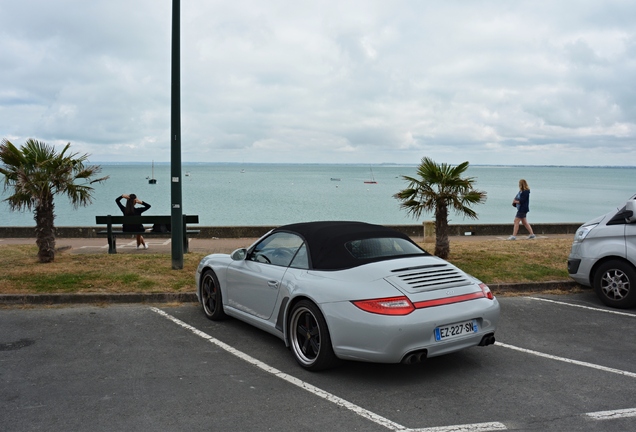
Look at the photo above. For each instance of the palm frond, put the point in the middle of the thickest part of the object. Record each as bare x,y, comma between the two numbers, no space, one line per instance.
440,186
35,172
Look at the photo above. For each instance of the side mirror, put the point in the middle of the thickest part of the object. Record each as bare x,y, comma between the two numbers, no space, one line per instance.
239,254
630,211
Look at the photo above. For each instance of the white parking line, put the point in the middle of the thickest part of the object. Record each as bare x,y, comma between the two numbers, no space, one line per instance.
599,415
478,427
611,415
567,360
584,307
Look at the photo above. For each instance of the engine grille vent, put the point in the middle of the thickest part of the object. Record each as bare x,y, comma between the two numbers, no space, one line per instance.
431,277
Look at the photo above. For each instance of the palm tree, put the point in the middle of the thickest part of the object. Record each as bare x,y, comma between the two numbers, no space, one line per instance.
36,172
438,188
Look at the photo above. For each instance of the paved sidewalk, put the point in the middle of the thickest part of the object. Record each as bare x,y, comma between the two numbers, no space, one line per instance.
127,244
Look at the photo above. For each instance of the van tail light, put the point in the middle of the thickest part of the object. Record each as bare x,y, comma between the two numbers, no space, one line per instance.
386,306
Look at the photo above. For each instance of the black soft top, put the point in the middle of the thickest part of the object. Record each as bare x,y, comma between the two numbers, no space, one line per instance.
326,241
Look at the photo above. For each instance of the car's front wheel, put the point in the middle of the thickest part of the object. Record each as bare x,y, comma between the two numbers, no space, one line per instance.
615,284
309,337
211,298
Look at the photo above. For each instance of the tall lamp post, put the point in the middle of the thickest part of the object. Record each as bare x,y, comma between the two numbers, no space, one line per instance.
175,142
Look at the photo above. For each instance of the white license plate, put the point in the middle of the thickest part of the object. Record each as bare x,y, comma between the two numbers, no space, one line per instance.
455,330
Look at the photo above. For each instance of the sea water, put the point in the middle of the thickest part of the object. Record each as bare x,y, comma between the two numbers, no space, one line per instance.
276,194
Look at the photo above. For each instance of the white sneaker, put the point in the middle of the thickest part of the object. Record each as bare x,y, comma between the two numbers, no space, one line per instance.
145,245
532,236
138,246
512,238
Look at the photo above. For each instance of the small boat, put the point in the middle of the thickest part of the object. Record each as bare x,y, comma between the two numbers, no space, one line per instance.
152,179
372,181
242,171
188,174
335,179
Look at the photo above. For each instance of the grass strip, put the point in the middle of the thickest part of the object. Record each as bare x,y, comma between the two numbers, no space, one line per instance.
492,261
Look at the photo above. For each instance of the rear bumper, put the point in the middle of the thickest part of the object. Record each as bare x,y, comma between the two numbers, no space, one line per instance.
363,336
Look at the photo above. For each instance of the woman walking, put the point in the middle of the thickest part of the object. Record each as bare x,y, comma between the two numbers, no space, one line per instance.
522,203
131,210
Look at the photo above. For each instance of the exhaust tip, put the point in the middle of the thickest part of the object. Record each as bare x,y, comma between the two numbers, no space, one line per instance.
488,339
415,357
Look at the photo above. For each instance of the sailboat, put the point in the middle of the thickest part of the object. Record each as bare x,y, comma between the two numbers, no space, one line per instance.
372,181
152,179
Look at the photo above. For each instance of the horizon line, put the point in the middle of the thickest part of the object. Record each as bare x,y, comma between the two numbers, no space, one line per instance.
351,164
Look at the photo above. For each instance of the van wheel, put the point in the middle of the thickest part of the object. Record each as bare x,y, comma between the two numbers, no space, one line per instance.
615,284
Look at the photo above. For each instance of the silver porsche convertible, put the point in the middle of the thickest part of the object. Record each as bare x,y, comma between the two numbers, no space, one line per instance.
351,291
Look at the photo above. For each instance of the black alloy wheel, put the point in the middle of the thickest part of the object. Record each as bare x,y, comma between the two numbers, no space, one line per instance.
309,337
211,296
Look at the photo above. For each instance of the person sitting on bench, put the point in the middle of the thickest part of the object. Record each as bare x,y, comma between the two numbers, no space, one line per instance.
131,210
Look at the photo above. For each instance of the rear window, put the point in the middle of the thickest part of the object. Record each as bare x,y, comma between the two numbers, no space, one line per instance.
382,247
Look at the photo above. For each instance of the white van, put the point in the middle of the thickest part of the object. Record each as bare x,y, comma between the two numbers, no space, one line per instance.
603,256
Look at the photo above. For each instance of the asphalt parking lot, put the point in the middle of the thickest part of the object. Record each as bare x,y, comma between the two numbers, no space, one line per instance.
560,363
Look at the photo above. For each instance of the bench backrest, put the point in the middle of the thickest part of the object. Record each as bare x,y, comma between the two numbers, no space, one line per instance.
109,220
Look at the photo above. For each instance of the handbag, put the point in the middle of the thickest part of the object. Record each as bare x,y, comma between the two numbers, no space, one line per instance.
161,228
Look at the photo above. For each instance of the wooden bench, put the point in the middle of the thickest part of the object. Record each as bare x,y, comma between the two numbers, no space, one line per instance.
147,220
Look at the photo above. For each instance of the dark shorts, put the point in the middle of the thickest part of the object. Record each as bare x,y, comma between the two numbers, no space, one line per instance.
521,215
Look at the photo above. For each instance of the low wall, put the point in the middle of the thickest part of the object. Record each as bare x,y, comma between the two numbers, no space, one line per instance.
506,229
422,230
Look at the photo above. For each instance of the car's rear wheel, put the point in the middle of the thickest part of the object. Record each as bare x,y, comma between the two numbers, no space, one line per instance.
615,284
211,298
309,337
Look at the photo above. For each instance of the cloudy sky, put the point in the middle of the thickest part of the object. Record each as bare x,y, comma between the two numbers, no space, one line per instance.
328,81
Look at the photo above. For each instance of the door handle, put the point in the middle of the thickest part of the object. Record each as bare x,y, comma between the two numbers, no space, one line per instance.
272,284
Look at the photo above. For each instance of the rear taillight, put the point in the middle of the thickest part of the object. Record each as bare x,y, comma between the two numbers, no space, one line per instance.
403,306
386,306
486,291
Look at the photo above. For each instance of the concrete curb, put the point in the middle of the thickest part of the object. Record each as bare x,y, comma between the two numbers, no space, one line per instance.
96,298
43,299
533,287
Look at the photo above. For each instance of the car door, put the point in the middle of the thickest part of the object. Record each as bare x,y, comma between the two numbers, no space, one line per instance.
253,284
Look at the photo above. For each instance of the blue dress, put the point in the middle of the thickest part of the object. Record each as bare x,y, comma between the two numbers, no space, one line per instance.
523,206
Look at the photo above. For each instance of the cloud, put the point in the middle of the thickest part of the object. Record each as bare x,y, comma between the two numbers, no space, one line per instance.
330,81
